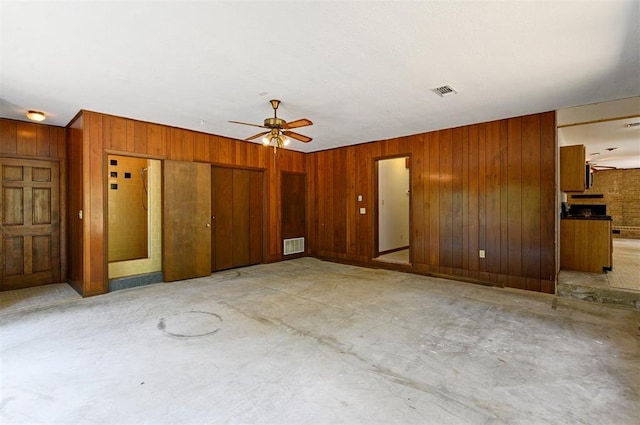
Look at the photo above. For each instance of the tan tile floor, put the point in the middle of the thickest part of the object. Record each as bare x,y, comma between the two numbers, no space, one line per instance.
626,264
398,257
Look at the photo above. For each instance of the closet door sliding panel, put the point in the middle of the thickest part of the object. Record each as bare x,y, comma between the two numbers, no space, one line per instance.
187,220
237,213
256,216
222,218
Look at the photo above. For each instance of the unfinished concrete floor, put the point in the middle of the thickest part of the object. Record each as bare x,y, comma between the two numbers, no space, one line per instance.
311,342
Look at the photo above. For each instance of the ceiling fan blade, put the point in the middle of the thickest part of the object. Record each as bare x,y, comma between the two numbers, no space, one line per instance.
255,136
302,122
297,136
246,123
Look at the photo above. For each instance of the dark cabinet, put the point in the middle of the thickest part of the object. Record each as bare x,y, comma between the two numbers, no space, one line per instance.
573,176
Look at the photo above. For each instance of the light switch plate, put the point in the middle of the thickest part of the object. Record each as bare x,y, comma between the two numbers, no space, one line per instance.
359,198
481,253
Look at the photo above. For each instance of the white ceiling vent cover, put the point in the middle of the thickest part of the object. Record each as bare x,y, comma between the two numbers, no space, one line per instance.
444,91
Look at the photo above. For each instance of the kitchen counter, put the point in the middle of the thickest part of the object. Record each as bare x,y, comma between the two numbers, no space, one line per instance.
586,217
586,243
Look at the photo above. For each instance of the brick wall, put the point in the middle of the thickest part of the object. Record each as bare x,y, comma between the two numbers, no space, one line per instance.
621,191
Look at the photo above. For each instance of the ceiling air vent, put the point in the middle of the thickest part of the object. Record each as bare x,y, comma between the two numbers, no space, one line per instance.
444,91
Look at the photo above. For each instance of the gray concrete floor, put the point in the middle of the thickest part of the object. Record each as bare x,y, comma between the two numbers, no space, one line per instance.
306,342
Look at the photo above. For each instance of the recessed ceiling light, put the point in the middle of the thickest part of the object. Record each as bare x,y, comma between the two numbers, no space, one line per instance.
611,149
633,124
263,93
594,154
36,116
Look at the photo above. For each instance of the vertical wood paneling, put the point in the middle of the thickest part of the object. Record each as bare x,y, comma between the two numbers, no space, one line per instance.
8,136
433,212
445,200
531,201
464,223
200,148
514,197
31,140
419,233
117,139
99,132
482,204
225,153
548,190
130,147
94,241
451,218
456,200
27,139
504,203
156,139
43,141
488,186
363,187
474,212
339,213
140,137
352,207
241,154
492,201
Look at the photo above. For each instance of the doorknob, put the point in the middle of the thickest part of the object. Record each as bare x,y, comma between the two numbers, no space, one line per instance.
207,225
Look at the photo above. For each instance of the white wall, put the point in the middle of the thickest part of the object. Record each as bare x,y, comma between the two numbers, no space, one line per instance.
393,204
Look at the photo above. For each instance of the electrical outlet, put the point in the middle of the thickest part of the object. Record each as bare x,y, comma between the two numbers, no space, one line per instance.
363,210
481,253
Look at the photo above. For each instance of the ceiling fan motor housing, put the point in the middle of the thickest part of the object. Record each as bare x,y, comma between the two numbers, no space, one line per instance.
275,123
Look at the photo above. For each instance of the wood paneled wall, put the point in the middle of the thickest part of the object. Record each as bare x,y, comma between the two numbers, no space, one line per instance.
488,186
30,140
19,139
106,133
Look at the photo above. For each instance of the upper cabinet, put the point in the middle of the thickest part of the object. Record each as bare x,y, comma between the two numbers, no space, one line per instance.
573,176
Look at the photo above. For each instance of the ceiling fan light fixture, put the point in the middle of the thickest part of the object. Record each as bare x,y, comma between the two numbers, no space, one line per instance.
36,116
266,140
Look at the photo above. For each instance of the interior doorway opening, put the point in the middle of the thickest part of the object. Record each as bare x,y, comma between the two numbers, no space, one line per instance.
134,221
393,210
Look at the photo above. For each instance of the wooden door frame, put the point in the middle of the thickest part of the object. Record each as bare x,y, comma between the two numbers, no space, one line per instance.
375,216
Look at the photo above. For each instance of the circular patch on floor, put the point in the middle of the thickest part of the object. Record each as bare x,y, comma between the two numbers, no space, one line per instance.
190,324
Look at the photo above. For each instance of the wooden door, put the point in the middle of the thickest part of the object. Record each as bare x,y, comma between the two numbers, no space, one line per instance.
240,242
294,213
29,223
187,226
237,199
256,216
222,218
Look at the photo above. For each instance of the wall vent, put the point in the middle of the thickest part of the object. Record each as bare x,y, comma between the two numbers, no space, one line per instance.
293,246
444,91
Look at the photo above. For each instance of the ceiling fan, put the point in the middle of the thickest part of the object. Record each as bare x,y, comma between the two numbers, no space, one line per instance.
279,130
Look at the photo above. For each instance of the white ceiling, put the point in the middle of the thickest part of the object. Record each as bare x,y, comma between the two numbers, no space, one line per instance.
609,144
361,71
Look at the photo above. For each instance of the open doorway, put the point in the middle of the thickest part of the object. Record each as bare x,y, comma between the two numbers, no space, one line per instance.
134,221
392,213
